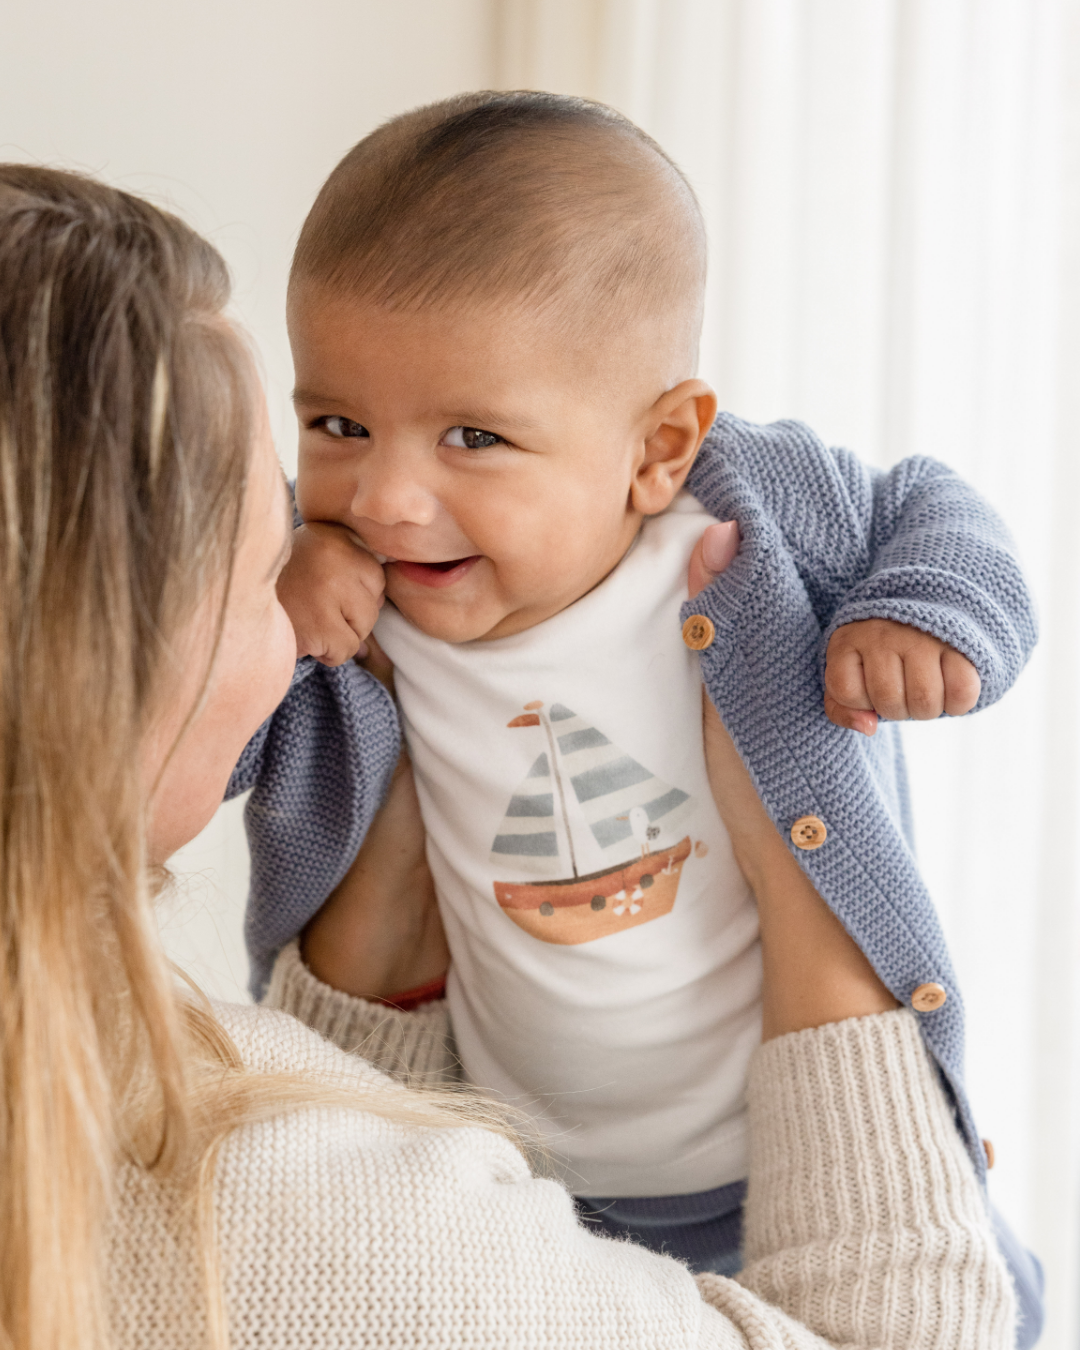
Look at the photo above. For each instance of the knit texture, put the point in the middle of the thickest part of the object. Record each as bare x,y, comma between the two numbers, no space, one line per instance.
319,769
824,1185
825,541
413,1047
340,1229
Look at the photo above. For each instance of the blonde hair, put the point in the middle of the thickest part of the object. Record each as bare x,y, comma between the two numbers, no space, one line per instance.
126,416
556,203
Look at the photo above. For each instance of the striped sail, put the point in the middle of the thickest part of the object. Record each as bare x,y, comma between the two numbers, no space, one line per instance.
628,809
619,799
528,838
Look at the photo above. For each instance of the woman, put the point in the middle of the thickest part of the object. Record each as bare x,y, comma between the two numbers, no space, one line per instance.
176,1175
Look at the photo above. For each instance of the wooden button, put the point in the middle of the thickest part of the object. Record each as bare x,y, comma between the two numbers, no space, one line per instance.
928,998
988,1149
809,832
698,632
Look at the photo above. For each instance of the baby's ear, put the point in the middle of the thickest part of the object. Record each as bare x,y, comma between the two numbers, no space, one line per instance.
675,426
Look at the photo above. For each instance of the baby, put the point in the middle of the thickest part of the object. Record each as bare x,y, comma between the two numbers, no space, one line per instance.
495,308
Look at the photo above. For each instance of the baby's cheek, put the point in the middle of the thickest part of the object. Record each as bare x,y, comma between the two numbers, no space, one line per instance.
322,491
307,498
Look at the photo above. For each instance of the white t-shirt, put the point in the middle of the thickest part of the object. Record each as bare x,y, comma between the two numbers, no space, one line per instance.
606,973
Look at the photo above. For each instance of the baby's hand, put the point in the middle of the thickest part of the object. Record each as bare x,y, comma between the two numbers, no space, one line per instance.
881,668
332,590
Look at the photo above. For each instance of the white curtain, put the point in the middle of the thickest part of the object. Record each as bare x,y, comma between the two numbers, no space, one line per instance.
892,189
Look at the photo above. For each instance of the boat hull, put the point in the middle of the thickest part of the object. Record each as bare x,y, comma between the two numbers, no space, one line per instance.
583,909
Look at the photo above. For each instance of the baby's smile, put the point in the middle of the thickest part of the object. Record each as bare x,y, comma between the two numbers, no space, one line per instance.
435,574
497,473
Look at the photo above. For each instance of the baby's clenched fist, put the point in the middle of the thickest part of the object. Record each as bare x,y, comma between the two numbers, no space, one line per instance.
332,590
879,668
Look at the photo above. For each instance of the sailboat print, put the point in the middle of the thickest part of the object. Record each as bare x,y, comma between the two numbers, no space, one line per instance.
629,811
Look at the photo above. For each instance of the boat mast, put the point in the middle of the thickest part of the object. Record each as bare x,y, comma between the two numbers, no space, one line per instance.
556,773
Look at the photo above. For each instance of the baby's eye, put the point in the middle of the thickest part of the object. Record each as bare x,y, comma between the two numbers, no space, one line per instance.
471,438
343,428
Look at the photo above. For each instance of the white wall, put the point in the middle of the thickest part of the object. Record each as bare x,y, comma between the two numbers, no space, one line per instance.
233,114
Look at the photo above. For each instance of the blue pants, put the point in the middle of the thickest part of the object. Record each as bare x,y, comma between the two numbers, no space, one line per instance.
705,1231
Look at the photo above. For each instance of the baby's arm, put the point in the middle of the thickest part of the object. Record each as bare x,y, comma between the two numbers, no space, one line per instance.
379,932
876,667
915,545
332,590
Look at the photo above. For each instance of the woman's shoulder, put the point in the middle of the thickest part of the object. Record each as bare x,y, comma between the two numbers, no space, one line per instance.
316,1202
273,1041
349,1109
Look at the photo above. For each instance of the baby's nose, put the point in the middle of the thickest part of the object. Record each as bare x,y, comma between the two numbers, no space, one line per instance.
390,498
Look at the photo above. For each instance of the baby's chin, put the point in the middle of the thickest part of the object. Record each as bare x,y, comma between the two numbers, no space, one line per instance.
450,617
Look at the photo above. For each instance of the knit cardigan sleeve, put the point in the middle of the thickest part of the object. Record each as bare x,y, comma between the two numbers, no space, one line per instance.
916,544
318,769
865,1224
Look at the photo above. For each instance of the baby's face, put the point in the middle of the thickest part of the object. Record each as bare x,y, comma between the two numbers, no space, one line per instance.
494,468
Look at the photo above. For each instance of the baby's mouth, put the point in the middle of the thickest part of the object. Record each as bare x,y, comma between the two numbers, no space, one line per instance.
435,574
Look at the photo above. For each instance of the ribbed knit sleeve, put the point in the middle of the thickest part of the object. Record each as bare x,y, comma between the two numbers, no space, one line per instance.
863,1219
413,1047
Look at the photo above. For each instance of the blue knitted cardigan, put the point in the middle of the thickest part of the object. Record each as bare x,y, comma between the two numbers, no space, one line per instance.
825,541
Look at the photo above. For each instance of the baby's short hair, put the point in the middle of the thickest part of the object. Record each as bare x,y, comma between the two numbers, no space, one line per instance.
558,203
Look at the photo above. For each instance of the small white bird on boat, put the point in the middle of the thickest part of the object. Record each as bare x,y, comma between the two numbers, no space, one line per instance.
639,825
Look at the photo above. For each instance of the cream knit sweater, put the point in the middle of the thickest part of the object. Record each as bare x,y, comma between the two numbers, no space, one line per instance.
339,1229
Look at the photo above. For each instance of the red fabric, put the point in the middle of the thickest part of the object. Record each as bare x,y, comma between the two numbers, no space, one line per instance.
413,998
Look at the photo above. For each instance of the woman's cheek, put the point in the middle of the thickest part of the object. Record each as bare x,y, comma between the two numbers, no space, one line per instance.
284,647
270,667
257,672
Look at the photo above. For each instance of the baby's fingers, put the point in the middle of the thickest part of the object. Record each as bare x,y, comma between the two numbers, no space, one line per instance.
853,719
962,683
924,683
360,610
845,679
331,645
887,683
847,703
896,670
